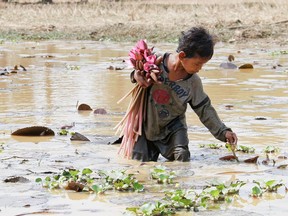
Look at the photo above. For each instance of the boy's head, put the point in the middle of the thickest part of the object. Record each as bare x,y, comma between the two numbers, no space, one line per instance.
196,42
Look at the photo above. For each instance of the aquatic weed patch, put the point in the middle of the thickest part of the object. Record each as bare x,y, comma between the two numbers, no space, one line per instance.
211,196
88,180
162,174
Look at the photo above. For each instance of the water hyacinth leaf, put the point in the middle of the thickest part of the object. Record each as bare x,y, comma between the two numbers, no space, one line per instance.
47,178
273,185
54,185
156,208
162,174
38,180
86,171
270,183
133,209
63,132
245,149
214,146
56,177
271,149
280,52
138,187
228,200
256,191
74,173
215,194
147,208
98,188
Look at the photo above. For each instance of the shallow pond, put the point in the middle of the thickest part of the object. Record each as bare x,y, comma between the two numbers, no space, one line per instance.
61,75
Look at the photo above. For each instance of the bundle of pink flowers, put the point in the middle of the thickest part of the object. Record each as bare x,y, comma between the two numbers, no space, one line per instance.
144,60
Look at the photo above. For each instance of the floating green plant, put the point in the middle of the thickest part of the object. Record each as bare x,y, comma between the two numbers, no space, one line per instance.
181,199
214,146
256,191
162,174
245,149
152,209
83,181
63,132
279,52
72,67
271,149
121,181
270,185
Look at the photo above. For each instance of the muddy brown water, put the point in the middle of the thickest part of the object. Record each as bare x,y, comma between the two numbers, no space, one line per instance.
60,75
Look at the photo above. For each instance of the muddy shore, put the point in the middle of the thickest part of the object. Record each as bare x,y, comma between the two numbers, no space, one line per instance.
157,21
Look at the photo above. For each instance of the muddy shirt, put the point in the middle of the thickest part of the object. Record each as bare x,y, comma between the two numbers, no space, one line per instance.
167,104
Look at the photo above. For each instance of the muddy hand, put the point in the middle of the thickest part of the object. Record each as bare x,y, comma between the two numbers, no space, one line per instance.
231,138
141,79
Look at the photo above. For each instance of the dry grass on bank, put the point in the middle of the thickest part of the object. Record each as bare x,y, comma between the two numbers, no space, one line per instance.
156,20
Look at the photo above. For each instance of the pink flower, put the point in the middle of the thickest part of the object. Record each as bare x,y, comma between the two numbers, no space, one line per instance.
141,52
135,54
151,59
142,45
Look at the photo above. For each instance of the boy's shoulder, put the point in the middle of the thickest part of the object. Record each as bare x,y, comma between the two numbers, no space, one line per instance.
195,78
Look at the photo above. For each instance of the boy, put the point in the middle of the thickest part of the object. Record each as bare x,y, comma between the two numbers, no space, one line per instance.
164,128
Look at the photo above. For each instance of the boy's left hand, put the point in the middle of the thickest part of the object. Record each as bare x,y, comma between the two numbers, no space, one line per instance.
231,137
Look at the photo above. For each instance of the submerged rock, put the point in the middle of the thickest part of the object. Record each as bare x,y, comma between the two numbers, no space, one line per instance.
246,66
34,131
100,111
82,107
16,179
78,137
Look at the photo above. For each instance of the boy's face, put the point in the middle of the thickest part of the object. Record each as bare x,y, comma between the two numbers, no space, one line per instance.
194,64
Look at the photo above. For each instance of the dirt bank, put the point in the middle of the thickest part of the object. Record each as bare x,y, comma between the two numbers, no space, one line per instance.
158,21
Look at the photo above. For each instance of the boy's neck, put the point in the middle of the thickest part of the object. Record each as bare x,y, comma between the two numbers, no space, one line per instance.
176,70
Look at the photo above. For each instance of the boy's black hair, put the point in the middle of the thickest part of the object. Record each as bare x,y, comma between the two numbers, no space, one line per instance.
196,41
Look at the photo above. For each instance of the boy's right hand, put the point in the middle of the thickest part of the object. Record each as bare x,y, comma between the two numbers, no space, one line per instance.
141,79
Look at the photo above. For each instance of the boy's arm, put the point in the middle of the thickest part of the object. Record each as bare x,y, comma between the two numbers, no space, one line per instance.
202,106
209,117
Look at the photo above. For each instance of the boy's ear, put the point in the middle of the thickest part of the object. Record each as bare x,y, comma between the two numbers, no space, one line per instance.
182,55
